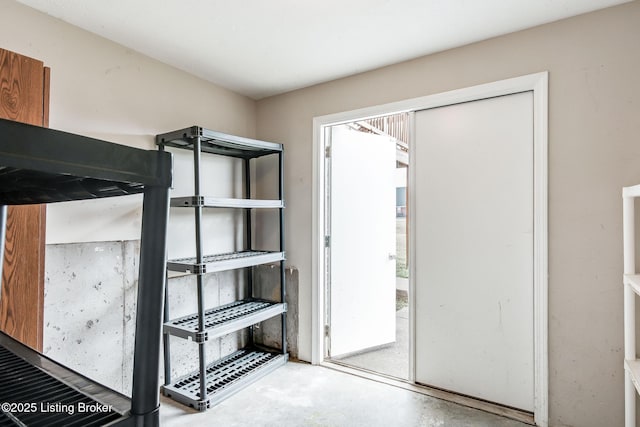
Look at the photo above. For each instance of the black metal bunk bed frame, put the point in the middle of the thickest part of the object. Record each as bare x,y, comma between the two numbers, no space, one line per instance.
39,165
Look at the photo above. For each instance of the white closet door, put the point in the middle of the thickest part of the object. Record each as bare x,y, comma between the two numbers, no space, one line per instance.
474,249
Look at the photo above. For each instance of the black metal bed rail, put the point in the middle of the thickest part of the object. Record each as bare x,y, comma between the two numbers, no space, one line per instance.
40,165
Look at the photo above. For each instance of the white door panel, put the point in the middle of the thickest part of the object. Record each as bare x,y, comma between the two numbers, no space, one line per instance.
474,249
363,241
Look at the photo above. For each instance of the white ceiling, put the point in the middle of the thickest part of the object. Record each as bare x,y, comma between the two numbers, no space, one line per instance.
264,47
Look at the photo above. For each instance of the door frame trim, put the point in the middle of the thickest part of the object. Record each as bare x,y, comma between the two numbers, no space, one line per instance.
536,83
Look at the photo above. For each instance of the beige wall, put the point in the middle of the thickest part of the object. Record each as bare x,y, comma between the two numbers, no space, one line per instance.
594,139
104,90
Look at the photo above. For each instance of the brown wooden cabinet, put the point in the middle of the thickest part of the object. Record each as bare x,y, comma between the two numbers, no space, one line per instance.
24,97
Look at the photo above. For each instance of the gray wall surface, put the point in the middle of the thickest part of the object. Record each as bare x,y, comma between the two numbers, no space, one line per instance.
103,90
594,134
594,105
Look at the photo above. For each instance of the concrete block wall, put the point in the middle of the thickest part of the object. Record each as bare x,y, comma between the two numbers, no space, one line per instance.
89,306
267,285
90,310
219,288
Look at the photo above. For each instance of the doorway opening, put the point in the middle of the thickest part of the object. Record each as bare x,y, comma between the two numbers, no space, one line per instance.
367,247
323,349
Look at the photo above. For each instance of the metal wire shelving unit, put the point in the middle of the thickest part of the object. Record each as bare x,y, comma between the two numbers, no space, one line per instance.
215,381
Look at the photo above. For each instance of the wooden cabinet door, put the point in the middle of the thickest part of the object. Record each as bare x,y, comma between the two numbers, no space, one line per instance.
24,97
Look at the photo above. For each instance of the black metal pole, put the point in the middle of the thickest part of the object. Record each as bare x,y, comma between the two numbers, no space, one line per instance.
248,234
165,337
283,290
145,401
248,214
199,261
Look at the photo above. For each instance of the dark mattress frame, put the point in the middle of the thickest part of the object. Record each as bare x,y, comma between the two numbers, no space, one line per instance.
39,165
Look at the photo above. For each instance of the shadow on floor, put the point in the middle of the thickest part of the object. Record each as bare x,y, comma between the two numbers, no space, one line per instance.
392,359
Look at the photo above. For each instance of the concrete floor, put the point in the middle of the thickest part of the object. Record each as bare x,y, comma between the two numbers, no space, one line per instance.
301,395
393,359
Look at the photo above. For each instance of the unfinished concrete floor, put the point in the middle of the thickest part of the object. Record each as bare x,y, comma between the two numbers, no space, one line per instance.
392,359
301,395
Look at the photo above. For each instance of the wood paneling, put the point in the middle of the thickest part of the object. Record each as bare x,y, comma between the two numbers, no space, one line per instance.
45,96
24,97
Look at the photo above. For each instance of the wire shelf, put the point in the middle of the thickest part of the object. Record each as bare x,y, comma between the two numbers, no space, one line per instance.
224,319
225,261
224,377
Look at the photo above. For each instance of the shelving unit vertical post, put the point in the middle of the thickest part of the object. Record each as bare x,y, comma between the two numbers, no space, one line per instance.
631,282
215,381
199,259
283,283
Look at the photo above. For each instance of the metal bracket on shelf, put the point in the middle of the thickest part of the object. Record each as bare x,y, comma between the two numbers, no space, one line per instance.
199,268
202,337
188,202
